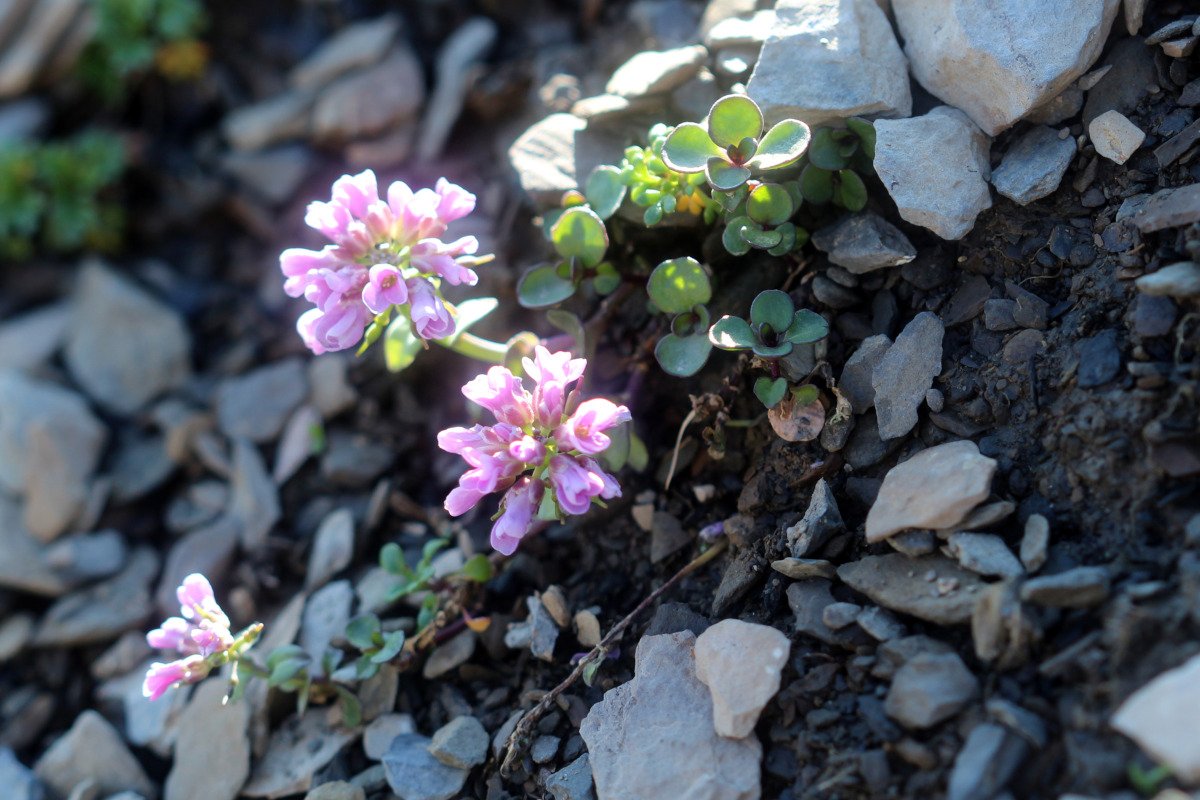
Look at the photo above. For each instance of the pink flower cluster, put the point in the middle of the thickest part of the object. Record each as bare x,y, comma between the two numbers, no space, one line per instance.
386,253
543,441
201,631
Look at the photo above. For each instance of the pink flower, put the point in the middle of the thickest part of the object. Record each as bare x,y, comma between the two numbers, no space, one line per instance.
434,257
173,634
528,450
501,392
574,485
197,601
161,677
385,287
552,372
584,431
516,517
454,202
430,317
462,499
611,487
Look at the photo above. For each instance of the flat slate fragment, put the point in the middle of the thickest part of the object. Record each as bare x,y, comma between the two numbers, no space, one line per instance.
932,588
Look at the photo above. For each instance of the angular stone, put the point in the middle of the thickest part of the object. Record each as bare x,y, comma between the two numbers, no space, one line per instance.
930,689
276,119
104,611
655,72
379,735
946,200
256,405
803,568
459,61
1081,587
934,489
207,550
546,158
821,520
1034,166
1166,208
808,600
20,782
741,663
337,790
123,346
210,733
654,737
984,553
1161,718
414,774
462,742
300,747
357,45
857,374
840,615
572,782
986,762
450,655
863,243
999,62
1115,137
25,566
24,57
905,372
29,340
92,750
848,54
332,549
254,500
879,624
1180,281
1001,629
367,103
932,588
326,614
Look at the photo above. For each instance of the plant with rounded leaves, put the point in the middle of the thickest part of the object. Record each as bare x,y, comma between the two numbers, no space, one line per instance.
759,219
659,189
365,632
775,327
681,287
836,157
730,146
580,239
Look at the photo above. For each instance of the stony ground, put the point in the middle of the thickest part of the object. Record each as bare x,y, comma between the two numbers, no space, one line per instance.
950,593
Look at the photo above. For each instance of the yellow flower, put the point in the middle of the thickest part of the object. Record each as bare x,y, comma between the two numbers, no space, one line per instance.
691,203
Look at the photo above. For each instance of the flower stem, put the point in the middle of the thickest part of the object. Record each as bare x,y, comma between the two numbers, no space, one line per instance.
478,348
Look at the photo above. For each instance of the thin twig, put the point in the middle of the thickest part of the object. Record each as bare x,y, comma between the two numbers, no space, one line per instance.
678,444
519,739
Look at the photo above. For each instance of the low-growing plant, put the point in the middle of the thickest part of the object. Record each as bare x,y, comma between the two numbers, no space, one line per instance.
836,159
133,36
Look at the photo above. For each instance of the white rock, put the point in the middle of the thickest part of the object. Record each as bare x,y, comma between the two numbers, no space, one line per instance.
370,102
1134,11
946,199
654,737
1115,137
212,753
998,61
357,45
934,489
741,31
655,71
830,59
544,157
1034,166
741,663
1177,280
92,750
1161,718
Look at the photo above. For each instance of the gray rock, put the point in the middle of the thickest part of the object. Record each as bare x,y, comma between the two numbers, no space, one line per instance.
87,556
1080,587
934,489
675,618
864,242
18,781
332,549
984,553
544,749
742,664
16,630
49,446
1160,717
1035,542
998,314
653,736
92,750
337,790
891,656
1166,208
1131,70
330,391
840,615
298,749
28,340
274,175
544,158
932,588
462,742
654,72
879,624
25,567
1180,280
370,102
379,735
802,568
865,74
355,461
141,465
1060,108
256,405
946,200
1034,165
1099,359
123,346
277,119
449,655
414,774
1114,136
210,733
986,763
820,522
667,536
326,615
859,370
104,611
808,600
905,372
543,630
296,443
23,119
1000,63
572,782
1026,724
913,543
254,500
930,689
359,44
26,56
207,550
457,64
741,31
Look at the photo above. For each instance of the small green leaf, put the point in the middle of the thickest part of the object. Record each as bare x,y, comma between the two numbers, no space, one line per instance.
852,192
361,631
467,313
607,279
393,642
400,344
283,653
431,549
865,132
351,707
772,351
605,190
580,233
589,671
478,569
770,392
429,607
733,118
569,324
391,558
688,148
653,215
682,356
725,176
732,333
772,307
365,667
639,456
678,284
763,240
549,219
784,144
769,204
807,326
806,394
617,453
816,185
285,670
823,151
733,239
542,286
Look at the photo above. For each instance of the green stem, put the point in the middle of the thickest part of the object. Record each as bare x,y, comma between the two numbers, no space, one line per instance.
480,349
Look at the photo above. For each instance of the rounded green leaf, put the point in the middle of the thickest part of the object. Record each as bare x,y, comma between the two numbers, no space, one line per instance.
542,286
823,151
580,233
770,392
607,279
677,285
393,643
807,326
688,148
769,204
772,307
865,132
782,145
733,118
772,351
787,241
605,191
733,239
467,313
682,356
725,176
361,631
763,240
816,185
732,333
478,569
851,191
400,344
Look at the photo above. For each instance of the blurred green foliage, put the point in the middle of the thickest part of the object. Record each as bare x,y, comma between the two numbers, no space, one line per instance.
133,35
